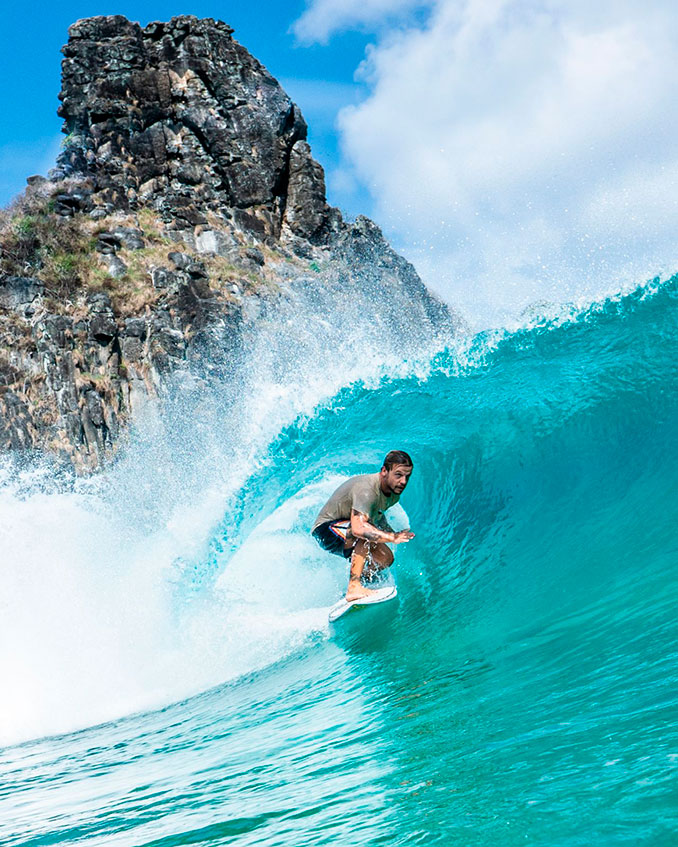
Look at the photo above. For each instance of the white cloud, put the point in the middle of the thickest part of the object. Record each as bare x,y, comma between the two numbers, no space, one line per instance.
523,149
323,18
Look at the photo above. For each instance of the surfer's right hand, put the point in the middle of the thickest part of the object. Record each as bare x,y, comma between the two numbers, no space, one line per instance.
402,536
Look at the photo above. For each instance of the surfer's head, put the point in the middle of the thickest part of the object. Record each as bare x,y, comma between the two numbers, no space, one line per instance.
395,472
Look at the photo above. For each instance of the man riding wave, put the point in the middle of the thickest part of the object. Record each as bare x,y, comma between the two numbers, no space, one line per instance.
352,523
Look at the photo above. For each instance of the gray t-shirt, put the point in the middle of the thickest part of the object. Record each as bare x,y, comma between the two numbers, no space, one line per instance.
362,493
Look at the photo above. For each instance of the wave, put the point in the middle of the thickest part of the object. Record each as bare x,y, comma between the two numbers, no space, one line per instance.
544,473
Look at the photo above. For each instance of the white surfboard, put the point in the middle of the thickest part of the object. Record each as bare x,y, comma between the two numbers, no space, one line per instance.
381,595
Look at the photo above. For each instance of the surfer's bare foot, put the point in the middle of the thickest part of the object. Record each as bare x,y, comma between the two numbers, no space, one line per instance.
355,592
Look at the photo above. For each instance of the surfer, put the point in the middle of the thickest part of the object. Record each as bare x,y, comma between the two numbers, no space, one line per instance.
352,523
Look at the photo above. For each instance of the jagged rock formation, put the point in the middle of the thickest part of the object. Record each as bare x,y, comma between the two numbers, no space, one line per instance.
179,116
185,190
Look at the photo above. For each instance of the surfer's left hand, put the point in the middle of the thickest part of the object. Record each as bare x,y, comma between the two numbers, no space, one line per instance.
402,536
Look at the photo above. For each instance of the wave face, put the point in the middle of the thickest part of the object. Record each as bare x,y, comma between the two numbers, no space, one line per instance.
523,689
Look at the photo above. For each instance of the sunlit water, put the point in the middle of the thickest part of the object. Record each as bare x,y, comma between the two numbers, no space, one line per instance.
522,690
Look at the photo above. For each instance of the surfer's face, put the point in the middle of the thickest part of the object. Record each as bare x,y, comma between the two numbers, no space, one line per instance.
393,481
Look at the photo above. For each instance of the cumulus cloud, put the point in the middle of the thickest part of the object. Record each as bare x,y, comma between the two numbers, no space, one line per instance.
323,18
521,150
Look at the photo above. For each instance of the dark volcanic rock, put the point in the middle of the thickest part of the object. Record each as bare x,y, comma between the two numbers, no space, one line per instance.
116,267
68,204
16,423
16,291
133,338
102,326
181,260
307,214
255,255
163,278
122,236
178,114
364,251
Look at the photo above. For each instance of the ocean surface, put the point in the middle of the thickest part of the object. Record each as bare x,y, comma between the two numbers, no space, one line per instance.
168,673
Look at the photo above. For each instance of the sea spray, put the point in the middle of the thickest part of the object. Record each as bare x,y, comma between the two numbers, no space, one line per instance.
110,605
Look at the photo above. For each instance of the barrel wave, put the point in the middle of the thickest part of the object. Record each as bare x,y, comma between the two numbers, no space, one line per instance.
523,689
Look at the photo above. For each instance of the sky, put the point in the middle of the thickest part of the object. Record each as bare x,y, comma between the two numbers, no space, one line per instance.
519,152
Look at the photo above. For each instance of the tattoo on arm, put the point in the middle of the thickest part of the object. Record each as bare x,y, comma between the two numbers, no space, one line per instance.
368,531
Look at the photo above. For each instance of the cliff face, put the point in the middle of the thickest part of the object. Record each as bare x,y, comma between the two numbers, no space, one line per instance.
185,192
181,117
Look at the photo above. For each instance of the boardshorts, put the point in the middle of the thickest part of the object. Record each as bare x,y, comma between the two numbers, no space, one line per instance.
332,537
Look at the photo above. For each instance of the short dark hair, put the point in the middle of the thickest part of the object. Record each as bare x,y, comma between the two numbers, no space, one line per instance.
397,457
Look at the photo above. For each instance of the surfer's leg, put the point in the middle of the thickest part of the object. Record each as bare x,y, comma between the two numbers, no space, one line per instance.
366,560
380,557
355,587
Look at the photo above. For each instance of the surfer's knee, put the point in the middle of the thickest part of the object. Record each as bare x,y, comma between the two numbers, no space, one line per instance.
362,547
383,556
379,554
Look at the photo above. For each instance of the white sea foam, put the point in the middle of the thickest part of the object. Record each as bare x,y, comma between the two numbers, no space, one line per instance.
97,620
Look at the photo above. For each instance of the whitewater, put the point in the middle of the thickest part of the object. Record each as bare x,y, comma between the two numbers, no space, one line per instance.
168,673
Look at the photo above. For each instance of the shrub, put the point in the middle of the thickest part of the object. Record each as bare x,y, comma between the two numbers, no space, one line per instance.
34,241
62,273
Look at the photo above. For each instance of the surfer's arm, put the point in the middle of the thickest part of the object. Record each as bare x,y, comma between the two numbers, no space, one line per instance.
399,536
362,528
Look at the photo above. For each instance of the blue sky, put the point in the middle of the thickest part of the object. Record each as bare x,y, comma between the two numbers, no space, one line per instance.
318,77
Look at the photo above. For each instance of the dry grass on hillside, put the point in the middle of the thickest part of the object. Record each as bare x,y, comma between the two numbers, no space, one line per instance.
36,242
60,252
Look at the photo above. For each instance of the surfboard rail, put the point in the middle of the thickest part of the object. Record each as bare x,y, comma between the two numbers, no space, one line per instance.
380,595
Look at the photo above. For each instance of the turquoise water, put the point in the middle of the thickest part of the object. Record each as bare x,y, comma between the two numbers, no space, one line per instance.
523,689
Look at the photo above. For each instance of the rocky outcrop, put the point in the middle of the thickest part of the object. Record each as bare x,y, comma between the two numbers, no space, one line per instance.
16,291
185,193
180,116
